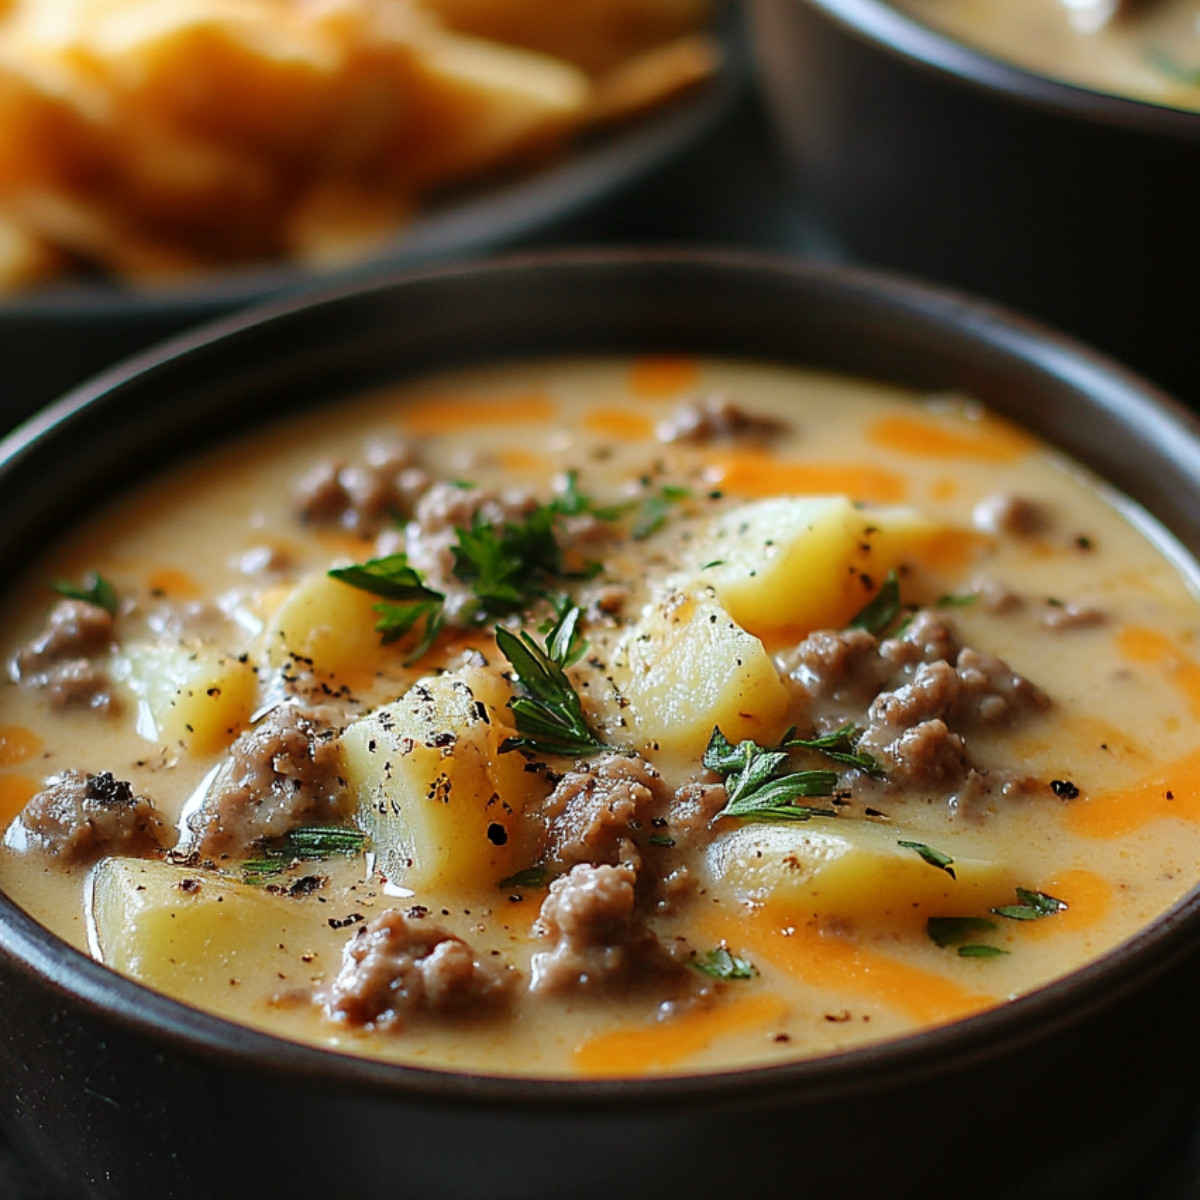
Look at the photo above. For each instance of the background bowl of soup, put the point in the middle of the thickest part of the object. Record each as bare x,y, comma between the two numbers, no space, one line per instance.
922,152
1082,1088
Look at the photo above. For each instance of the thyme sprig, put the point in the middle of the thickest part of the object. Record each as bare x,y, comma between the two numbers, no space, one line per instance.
302,844
549,715
757,786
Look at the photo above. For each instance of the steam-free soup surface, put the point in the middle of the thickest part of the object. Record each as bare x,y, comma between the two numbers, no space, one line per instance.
1143,49
672,715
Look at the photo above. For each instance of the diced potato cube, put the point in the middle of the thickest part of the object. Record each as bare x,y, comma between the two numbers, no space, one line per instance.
784,567
443,806
194,696
191,933
328,622
854,869
690,668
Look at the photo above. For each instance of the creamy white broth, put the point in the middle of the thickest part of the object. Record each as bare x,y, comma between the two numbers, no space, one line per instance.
830,974
1147,50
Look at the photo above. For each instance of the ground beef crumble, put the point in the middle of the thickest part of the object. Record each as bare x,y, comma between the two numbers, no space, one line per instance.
367,494
600,941
62,658
280,774
79,818
716,418
395,968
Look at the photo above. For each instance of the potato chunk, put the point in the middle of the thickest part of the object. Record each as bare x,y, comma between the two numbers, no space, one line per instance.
329,623
192,932
784,567
441,803
855,869
193,696
691,667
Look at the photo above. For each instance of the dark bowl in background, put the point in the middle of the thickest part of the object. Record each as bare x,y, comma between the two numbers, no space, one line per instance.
617,183
915,152
1082,1090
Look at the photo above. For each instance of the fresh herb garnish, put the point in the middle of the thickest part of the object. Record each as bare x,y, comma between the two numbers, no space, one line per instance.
507,566
531,877
935,858
302,844
979,950
655,509
954,931
95,589
882,609
841,746
721,964
549,716
406,600
962,600
1032,906
756,786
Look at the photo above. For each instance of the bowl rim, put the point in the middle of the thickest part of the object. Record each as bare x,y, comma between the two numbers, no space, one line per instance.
911,40
74,977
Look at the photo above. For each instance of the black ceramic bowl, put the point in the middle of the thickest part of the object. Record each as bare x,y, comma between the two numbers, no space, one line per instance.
616,183
917,153
1082,1089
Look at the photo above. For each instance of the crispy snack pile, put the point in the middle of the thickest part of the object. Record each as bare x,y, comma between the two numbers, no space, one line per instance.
152,138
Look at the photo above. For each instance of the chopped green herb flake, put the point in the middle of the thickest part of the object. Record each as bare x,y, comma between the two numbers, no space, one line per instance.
935,858
1031,906
302,844
954,931
976,950
883,608
531,877
721,964
95,589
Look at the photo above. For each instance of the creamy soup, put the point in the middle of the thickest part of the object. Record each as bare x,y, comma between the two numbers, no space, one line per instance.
1144,49
606,717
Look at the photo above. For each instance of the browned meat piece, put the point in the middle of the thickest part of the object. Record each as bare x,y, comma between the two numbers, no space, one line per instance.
395,968
992,693
79,818
600,942
926,639
60,659
694,806
838,671
280,774
716,418
1071,615
598,812
932,692
925,757
1012,515
366,495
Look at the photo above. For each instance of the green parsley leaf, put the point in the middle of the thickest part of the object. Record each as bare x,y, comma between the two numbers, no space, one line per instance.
977,950
965,600
549,716
407,600
531,877
882,609
1032,906
95,589
721,964
935,858
954,931
756,786
302,844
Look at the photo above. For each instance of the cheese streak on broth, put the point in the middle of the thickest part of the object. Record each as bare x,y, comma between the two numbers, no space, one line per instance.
1142,49
606,717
